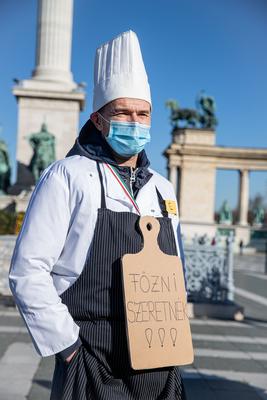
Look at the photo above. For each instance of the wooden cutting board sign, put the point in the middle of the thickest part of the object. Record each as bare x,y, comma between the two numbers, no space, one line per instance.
158,329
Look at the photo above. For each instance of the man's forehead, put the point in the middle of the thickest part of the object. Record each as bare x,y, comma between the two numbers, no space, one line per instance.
129,103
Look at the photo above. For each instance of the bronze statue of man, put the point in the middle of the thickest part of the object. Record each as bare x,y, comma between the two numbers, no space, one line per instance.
43,144
5,169
207,118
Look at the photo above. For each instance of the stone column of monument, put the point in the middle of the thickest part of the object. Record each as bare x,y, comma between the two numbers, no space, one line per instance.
243,197
50,95
53,55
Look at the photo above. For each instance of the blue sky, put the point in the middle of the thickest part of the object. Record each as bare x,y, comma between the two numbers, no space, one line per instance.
187,45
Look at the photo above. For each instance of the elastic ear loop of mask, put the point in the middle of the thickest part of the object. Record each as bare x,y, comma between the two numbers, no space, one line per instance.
103,118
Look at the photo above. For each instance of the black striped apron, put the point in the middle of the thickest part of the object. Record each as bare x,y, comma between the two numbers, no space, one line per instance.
100,369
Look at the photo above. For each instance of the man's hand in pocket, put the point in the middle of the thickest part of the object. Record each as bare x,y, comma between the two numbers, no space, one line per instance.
69,358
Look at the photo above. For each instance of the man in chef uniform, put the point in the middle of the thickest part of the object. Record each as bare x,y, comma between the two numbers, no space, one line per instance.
82,218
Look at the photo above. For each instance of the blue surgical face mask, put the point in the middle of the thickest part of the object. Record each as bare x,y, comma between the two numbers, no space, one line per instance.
127,138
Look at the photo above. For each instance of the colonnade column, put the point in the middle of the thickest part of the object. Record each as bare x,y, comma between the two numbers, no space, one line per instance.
173,174
243,196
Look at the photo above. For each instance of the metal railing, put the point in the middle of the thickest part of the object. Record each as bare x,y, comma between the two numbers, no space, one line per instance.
209,270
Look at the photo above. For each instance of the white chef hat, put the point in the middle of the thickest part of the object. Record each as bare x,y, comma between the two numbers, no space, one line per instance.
120,71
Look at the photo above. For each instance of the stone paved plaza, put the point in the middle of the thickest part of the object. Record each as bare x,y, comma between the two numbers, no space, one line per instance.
7,244
230,357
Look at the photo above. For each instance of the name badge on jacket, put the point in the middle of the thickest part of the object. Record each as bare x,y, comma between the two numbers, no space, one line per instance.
171,207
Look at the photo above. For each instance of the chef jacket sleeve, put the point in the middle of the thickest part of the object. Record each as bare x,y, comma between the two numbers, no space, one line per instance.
37,248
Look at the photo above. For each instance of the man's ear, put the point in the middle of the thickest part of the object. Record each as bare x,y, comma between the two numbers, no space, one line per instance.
97,121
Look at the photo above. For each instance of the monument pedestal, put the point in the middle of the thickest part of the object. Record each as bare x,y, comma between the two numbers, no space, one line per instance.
196,176
59,110
50,96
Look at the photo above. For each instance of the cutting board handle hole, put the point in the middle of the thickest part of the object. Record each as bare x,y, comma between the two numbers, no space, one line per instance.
149,226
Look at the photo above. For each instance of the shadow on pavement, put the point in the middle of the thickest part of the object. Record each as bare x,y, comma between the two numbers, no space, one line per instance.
251,320
43,382
211,387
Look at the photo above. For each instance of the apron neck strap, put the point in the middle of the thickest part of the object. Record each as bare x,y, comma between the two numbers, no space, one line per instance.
103,199
162,204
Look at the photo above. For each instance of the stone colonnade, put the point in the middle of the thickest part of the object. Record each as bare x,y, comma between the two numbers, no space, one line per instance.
175,175
193,159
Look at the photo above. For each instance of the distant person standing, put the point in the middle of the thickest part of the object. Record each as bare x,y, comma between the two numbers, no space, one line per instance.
241,247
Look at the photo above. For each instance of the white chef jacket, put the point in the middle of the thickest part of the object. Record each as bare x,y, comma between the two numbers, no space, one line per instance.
55,240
